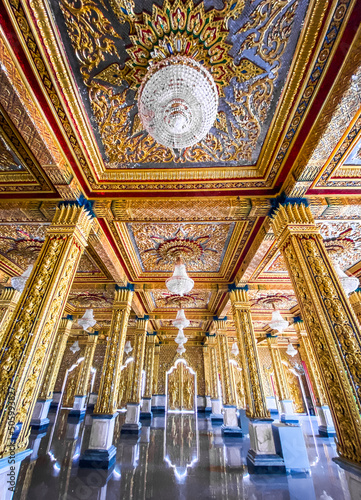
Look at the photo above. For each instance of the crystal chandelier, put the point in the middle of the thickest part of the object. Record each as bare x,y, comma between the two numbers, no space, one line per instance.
180,338
181,349
87,321
235,350
178,102
18,282
75,347
349,283
128,347
291,351
181,321
277,322
180,283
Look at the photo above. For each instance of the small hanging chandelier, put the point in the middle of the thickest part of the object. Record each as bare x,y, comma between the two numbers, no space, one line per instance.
180,283
75,347
128,347
291,351
277,322
349,283
235,350
180,338
87,321
19,282
181,321
181,349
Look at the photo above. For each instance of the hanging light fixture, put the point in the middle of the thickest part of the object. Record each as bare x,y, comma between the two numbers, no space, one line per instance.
180,283
75,347
128,347
181,321
235,350
291,351
87,321
349,283
19,282
180,338
181,349
277,322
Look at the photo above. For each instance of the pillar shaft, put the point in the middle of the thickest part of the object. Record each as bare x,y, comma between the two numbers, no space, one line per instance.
31,331
55,359
139,349
255,398
149,366
81,388
207,370
9,297
228,390
308,356
330,322
280,377
107,401
355,299
214,367
156,369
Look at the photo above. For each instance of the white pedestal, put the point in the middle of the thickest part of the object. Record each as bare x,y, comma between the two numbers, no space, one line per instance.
79,407
230,427
56,399
271,404
158,403
201,404
262,457
216,415
325,422
92,400
208,404
287,412
146,409
9,471
132,424
39,419
101,453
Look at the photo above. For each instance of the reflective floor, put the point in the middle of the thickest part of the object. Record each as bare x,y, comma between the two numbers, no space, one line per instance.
176,457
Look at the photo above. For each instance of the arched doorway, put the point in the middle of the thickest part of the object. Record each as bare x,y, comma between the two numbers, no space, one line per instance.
181,388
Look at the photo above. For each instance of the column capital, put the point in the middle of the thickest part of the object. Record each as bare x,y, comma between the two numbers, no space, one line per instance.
239,296
296,217
123,297
142,325
71,219
300,327
220,325
8,295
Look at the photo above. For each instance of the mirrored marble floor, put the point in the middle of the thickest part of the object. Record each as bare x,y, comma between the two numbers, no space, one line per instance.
177,457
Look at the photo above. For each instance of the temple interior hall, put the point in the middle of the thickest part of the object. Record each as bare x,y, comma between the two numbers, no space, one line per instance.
180,249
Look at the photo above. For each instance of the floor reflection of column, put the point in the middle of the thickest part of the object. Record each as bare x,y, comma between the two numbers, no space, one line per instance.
69,444
28,466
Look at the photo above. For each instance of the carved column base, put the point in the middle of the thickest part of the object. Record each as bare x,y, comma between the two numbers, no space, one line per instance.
287,412
101,453
146,409
92,401
55,401
9,470
39,421
272,405
201,404
79,407
230,427
243,421
216,415
262,457
325,422
132,424
353,476
158,403
208,408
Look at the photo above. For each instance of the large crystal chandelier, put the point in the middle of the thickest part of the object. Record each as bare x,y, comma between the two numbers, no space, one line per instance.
178,102
277,322
128,347
349,283
75,347
19,282
291,351
87,321
180,283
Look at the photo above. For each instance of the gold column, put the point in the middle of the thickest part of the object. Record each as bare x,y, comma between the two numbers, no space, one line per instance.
228,390
355,299
84,374
330,322
56,357
255,398
149,365
156,369
308,356
9,297
283,392
31,330
207,370
213,366
139,349
107,401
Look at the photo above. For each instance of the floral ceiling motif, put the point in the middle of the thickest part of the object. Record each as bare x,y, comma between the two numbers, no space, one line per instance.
343,241
196,299
94,299
201,246
277,299
22,244
194,323
246,45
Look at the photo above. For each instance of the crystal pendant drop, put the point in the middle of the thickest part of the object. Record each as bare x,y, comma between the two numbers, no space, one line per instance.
277,322
291,351
128,347
349,283
181,321
87,321
19,282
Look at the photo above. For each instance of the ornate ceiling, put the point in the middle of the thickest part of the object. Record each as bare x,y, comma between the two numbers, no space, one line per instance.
288,74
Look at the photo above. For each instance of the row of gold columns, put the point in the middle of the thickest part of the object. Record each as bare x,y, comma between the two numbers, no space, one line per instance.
29,336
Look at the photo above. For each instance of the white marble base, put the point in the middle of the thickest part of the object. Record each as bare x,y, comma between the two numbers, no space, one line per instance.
262,456
216,415
230,418
39,419
132,424
201,403
271,404
146,406
286,406
56,399
158,403
79,407
9,471
208,404
101,452
92,400
325,422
